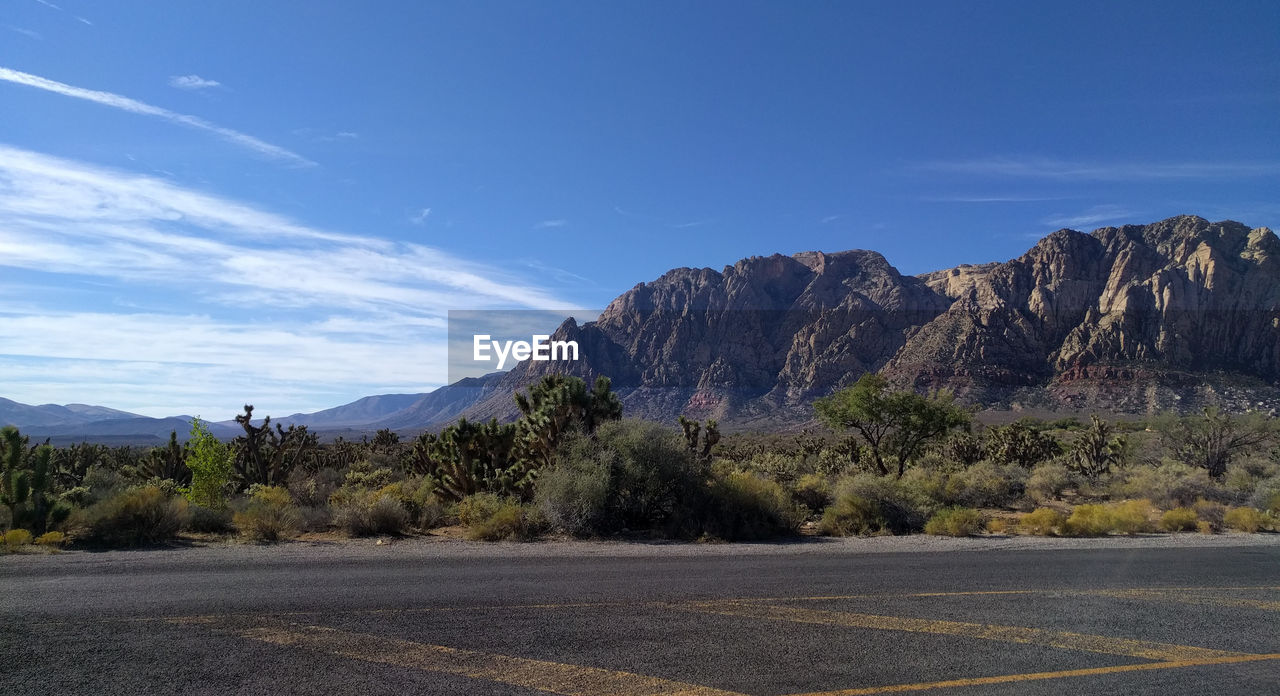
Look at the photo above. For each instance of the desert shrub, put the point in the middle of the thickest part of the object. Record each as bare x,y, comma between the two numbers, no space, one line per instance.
985,485
134,517
209,521
314,490
364,474
491,518
745,506
101,483
812,491
1171,484
574,494
1088,521
1244,519
998,525
1042,522
315,519
955,521
900,508
1205,528
417,496
1210,512
852,515
366,513
1048,481
928,484
1131,516
53,540
1266,496
16,538
652,482
1179,520
777,466
268,515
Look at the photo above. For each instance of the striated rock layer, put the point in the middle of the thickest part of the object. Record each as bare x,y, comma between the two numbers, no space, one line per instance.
1175,314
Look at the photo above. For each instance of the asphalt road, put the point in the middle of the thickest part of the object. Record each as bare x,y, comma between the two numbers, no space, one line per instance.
1111,621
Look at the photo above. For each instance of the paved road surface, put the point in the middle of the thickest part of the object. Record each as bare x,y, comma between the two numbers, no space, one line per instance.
214,621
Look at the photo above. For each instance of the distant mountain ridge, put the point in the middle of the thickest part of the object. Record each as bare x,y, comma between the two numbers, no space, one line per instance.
1179,314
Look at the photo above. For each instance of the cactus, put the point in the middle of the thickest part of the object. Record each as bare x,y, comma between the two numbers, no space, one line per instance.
26,484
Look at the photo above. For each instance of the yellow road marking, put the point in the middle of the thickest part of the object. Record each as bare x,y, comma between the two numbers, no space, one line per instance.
1034,676
1148,650
553,677
1182,597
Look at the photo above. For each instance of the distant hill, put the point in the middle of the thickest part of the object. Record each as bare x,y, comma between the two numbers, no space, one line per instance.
364,411
24,416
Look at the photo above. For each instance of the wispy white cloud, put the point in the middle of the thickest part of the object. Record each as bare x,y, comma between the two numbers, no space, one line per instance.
1093,216
214,288
134,106
1046,168
421,217
46,3
545,224
192,82
30,34
829,219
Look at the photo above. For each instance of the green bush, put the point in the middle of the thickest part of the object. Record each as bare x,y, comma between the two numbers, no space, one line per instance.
1179,520
574,495
745,506
269,515
367,513
898,508
1048,481
812,491
777,466
1171,484
209,521
417,496
853,515
1131,516
134,517
1244,519
491,518
955,522
1088,521
1042,522
1266,496
985,485
645,474
52,540
15,539
1210,512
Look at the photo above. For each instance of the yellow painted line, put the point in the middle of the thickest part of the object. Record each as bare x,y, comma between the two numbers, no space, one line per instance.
1181,597
552,677
1148,650
1034,676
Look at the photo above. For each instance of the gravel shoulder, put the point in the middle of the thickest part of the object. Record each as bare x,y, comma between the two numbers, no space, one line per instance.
445,547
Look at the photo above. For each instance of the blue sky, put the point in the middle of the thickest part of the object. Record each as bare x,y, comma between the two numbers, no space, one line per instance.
206,204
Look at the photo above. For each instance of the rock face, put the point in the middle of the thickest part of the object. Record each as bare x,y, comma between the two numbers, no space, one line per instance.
1178,313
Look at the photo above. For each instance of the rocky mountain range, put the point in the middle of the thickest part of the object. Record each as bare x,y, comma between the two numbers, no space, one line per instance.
1177,314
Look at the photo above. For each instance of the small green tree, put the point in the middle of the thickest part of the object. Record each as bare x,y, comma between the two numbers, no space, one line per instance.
1214,440
212,464
1098,449
892,424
